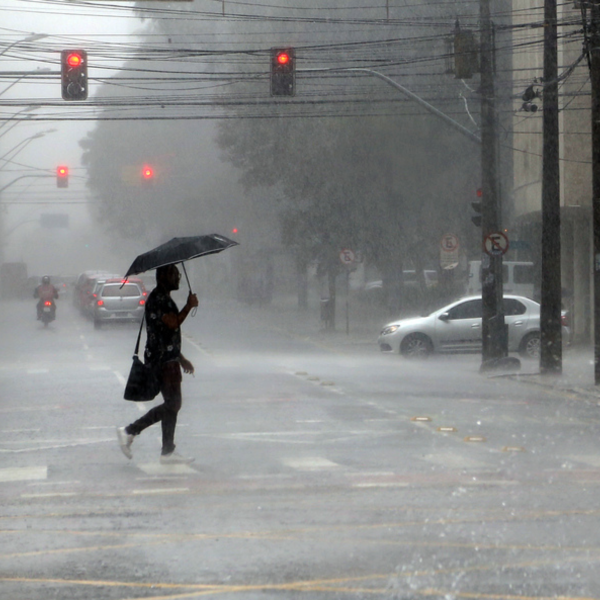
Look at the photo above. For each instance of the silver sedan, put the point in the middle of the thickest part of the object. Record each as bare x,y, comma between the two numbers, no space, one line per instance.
457,328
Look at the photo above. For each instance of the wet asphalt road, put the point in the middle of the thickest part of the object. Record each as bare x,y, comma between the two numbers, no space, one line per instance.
319,472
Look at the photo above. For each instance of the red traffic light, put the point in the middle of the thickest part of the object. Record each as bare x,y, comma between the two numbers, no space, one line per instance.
73,74
283,71
74,59
147,172
62,176
283,58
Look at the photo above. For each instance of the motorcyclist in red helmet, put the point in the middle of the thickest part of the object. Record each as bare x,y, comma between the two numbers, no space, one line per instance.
45,292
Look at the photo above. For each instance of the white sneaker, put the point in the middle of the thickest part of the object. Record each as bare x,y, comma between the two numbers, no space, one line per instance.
125,441
175,459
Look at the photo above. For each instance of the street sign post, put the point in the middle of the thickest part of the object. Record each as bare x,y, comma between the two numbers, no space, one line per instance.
348,259
449,247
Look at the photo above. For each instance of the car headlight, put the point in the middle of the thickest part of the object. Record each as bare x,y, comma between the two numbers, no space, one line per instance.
389,329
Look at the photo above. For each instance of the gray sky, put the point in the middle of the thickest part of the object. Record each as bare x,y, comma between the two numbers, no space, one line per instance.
66,25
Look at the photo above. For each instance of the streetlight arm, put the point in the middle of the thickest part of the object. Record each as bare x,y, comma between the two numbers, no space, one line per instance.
432,109
23,144
30,38
19,178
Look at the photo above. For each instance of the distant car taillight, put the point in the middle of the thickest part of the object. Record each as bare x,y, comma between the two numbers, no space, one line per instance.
100,303
47,303
142,302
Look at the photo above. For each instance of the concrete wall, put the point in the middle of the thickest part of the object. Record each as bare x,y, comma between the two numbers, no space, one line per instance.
575,154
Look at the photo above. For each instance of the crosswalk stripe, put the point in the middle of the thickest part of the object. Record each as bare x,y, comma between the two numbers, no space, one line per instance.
310,463
159,469
23,473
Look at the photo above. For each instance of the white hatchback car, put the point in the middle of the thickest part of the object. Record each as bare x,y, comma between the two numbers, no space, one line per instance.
457,328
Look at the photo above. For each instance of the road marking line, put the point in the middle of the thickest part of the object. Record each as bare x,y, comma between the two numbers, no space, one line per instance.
48,483
309,463
196,345
160,469
454,460
120,378
161,491
387,484
20,430
23,473
55,446
490,482
372,474
51,495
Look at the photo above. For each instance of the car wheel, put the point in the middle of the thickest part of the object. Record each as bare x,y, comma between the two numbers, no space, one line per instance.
416,345
530,345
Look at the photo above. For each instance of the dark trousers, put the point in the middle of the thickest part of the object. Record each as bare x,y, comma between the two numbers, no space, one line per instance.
166,413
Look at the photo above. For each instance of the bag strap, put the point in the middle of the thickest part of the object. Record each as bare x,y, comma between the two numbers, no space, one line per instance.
137,344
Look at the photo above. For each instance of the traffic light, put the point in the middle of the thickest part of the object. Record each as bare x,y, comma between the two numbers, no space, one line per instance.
147,175
283,72
62,176
476,205
73,64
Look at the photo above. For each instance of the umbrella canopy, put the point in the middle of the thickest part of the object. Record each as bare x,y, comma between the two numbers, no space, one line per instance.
179,249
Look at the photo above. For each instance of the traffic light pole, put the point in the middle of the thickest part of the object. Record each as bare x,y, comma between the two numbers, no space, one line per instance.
595,79
494,335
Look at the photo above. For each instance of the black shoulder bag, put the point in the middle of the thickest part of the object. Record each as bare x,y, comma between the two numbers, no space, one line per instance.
143,383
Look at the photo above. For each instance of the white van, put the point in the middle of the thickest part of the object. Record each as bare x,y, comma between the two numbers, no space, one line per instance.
517,278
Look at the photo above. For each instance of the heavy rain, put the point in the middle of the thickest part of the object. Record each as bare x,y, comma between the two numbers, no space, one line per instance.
352,246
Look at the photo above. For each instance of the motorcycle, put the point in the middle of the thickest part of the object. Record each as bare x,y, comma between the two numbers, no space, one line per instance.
48,313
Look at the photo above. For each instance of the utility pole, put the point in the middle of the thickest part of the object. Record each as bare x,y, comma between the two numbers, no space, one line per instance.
494,335
550,312
595,79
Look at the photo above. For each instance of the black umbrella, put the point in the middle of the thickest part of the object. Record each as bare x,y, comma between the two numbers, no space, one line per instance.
178,250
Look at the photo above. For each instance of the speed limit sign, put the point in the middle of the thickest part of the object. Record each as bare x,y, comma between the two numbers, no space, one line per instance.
347,257
449,242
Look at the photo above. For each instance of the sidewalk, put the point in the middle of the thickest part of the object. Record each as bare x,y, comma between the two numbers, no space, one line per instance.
360,333
577,375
